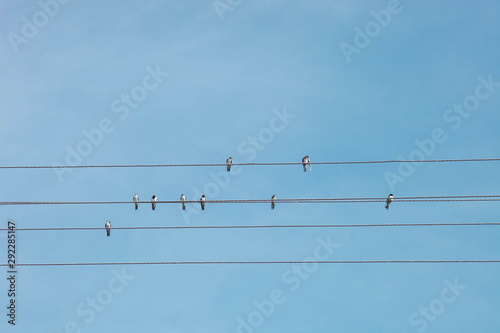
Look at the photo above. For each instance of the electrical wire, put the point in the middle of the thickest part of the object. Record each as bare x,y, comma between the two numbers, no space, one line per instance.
248,164
258,262
267,226
462,198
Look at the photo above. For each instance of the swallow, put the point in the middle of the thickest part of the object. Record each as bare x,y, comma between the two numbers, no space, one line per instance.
183,200
273,201
202,200
305,161
136,201
153,203
229,161
108,227
389,200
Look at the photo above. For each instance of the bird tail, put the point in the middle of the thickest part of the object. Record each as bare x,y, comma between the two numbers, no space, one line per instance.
387,206
305,167
154,207
183,207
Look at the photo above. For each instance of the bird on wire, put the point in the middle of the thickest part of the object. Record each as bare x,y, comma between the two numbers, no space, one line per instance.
153,203
306,161
389,200
108,227
136,201
183,201
202,200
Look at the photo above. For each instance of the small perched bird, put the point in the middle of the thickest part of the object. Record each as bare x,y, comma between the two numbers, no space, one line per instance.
305,161
273,201
389,200
108,227
183,200
136,200
229,161
153,204
202,200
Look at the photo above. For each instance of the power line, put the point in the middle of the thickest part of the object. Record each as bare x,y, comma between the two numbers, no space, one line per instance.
462,198
268,226
261,262
249,164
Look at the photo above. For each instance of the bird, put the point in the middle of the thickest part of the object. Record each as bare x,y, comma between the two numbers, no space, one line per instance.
108,227
136,200
183,200
153,204
273,201
229,161
305,161
202,200
389,200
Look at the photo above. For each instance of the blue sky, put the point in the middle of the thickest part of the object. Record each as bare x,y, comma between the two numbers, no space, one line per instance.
223,72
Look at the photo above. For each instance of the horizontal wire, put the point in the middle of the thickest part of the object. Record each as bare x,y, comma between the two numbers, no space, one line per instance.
306,200
259,262
450,196
255,163
269,226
